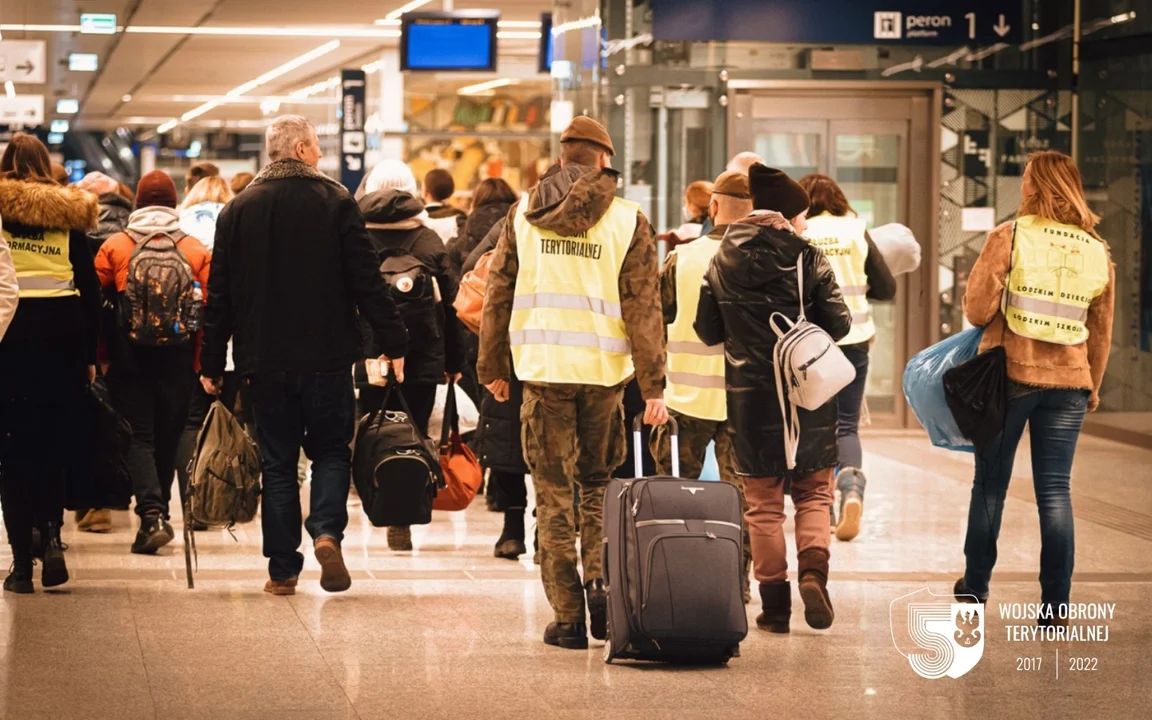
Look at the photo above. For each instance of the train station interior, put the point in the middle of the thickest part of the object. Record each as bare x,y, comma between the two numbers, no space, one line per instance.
924,112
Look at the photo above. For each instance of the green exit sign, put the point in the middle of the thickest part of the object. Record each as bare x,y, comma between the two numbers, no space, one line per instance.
98,23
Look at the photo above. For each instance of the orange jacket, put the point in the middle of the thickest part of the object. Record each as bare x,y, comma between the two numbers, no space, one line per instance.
114,255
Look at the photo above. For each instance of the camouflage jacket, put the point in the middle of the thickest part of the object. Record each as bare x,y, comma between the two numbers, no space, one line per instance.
569,201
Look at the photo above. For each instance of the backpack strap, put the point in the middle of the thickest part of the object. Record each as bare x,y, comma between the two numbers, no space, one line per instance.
791,420
140,238
800,283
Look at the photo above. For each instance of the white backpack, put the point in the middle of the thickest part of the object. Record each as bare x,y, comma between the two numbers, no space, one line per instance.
810,364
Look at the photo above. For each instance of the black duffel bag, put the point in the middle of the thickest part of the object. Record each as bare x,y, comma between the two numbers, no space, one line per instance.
396,468
98,474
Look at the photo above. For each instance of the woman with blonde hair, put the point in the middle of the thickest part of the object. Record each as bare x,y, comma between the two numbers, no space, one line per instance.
202,206
1043,288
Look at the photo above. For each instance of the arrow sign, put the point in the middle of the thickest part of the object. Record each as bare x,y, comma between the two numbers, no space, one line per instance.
1002,28
26,66
23,61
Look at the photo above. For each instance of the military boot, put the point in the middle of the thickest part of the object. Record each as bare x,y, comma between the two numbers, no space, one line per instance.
570,636
597,608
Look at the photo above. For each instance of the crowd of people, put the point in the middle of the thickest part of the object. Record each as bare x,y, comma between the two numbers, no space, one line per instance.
580,314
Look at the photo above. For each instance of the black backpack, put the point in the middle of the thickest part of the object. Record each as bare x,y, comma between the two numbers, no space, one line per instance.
159,306
395,467
414,291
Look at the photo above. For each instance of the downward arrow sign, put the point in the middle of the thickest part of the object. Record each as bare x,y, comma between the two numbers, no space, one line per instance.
1002,29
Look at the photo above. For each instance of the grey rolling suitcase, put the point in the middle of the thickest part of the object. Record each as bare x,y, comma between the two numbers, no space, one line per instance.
672,562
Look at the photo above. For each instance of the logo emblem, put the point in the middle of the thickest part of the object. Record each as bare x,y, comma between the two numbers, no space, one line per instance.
944,637
888,25
692,490
405,284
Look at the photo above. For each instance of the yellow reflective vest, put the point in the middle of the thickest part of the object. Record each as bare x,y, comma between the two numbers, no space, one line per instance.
842,240
695,370
567,325
43,268
1057,271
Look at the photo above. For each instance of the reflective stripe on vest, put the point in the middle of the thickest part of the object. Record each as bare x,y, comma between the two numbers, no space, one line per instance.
43,268
695,370
567,324
1057,271
842,240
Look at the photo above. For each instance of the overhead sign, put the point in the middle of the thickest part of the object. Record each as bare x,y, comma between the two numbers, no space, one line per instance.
98,23
871,22
23,61
67,106
353,142
83,62
22,110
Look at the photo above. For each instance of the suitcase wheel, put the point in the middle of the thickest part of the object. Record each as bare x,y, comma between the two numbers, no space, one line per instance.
608,648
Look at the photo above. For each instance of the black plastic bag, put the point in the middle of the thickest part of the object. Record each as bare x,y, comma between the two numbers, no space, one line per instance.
98,474
977,394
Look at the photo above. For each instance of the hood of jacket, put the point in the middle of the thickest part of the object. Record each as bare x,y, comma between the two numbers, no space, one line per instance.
392,210
483,218
114,212
571,199
758,247
150,220
47,205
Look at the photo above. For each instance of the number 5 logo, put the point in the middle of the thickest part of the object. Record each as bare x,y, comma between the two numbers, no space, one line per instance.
944,637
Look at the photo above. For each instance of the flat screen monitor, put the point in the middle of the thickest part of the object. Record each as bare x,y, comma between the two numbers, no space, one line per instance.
546,43
449,41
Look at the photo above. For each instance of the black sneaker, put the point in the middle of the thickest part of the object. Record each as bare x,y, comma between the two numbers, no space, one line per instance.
509,548
597,608
964,595
19,578
154,534
570,636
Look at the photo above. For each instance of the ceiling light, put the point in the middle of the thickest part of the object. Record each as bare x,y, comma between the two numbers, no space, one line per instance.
59,126
167,126
67,106
9,89
587,22
372,67
479,88
127,97
41,28
315,88
253,84
518,35
406,8
323,32
526,24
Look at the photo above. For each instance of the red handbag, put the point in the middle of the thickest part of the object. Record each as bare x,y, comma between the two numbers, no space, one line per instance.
462,473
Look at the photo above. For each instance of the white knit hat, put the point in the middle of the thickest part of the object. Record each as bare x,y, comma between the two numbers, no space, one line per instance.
391,175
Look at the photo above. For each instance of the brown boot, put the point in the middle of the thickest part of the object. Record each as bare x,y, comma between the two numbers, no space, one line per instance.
96,521
777,600
814,588
281,587
399,539
334,575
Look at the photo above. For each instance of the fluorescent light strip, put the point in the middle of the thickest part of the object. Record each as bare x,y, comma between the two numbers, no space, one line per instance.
9,89
253,84
518,35
484,86
338,32
406,8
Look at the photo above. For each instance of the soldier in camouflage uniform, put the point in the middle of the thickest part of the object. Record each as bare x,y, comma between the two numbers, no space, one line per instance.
696,395
573,303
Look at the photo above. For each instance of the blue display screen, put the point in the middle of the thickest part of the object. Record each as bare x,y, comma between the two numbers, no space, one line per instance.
449,43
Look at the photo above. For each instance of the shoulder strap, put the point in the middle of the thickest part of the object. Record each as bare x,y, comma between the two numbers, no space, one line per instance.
800,283
451,424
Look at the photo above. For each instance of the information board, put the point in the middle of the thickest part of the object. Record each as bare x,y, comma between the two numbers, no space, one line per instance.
447,42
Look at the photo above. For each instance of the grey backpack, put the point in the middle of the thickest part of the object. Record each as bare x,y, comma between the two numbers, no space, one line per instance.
223,478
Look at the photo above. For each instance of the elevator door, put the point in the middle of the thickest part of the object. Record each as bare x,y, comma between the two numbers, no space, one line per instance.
873,145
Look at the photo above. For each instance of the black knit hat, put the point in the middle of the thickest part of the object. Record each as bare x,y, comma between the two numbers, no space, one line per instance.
772,189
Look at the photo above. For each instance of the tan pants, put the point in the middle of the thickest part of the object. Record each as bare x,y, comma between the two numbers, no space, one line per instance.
812,496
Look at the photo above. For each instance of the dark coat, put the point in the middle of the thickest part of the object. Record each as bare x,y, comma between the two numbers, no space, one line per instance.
752,276
393,225
291,266
476,227
114,212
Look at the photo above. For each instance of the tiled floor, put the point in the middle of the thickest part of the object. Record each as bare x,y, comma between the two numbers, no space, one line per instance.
450,632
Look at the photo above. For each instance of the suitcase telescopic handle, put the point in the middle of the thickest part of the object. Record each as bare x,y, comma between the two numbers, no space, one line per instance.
674,438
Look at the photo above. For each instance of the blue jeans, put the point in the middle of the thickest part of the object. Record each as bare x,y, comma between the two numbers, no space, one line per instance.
316,411
1054,418
848,405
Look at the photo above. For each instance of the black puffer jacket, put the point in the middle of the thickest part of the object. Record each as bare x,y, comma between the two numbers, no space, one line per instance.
475,228
114,212
394,226
753,276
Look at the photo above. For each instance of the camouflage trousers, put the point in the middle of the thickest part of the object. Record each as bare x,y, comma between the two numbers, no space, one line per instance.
695,435
573,437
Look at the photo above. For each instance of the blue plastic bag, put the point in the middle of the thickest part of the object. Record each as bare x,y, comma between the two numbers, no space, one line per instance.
924,387
711,469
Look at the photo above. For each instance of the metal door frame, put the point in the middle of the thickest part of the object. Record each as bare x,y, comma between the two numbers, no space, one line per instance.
919,291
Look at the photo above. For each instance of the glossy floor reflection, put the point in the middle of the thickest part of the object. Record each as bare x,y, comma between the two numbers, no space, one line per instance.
448,631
